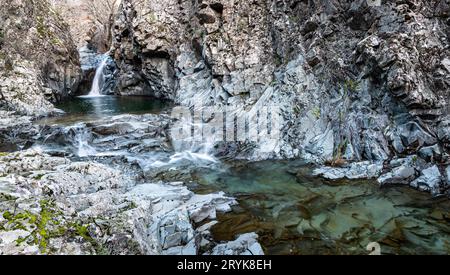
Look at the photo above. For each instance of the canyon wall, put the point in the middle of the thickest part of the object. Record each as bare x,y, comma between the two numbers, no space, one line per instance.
354,81
38,59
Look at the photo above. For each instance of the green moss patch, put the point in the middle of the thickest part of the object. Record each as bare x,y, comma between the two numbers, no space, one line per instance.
48,224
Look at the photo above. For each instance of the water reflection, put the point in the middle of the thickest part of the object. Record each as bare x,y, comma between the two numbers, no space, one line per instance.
93,108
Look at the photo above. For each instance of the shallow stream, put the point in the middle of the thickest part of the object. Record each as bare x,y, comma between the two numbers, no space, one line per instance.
293,212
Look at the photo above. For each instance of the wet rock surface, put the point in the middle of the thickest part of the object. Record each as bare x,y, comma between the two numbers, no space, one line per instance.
245,245
88,197
90,61
52,205
361,170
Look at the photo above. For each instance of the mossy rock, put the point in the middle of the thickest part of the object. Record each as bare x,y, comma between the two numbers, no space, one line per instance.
50,223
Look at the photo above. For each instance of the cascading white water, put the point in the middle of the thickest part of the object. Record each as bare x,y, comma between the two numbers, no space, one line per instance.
98,79
80,140
198,151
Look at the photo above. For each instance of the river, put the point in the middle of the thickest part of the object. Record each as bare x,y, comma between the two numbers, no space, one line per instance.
292,211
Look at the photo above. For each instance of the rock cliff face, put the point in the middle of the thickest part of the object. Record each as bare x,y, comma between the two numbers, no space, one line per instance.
38,60
354,81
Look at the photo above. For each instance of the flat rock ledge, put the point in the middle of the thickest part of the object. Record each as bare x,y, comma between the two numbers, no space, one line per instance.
412,171
50,205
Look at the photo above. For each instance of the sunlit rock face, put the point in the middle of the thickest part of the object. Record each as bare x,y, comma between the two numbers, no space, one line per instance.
38,58
354,81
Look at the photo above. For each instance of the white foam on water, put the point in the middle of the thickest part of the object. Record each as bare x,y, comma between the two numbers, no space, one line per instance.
197,151
84,149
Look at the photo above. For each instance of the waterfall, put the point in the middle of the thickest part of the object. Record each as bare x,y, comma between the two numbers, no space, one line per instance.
98,79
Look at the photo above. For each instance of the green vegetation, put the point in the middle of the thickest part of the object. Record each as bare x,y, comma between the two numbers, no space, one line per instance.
351,86
161,28
274,82
242,24
56,41
42,225
340,150
151,18
48,224
6,197
341,117
338,153
9,65
39,177
294,18
317,112
40,27
2,35
45,33
278,60
200,33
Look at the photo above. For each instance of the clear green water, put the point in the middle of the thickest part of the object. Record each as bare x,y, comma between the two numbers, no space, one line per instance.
295,213
88,109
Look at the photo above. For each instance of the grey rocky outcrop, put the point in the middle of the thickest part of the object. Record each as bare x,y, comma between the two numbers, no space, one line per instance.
430,180
38,56
245,244
417,173
359,170
38,65
51,205
354,82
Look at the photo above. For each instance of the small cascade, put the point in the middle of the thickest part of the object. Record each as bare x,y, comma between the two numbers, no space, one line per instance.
81,137
98,79
199,146
195,150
